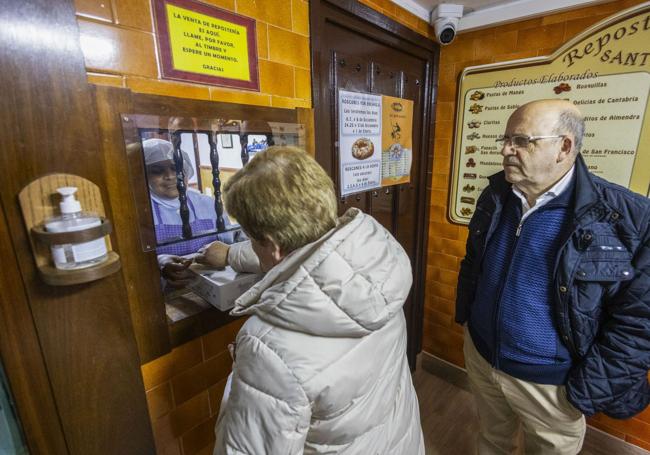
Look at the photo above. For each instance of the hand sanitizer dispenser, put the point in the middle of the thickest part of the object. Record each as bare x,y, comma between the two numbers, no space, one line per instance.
75,255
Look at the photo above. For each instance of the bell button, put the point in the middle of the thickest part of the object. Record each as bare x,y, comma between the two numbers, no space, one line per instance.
563,289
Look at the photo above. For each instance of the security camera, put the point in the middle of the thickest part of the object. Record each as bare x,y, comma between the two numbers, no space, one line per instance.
445,21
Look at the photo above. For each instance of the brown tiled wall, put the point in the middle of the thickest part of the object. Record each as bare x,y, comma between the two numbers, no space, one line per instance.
184,390
119,44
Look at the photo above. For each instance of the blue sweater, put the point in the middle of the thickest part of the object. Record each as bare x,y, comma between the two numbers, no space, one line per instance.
511,321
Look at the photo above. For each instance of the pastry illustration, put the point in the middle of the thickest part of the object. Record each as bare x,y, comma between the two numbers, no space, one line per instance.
563,87
476,96
363,148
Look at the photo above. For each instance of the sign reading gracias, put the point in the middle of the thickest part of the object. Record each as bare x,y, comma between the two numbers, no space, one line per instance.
201,43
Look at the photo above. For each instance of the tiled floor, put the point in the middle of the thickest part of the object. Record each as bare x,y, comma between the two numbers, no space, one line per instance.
449,419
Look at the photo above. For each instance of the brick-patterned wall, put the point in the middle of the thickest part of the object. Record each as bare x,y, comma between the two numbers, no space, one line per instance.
534,37
184,390
119,44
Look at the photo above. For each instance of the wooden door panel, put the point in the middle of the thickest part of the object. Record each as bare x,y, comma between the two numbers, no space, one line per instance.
357,49
350,73
385,80
408,193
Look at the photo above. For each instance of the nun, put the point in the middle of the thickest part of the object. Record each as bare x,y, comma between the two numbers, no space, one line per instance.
165,206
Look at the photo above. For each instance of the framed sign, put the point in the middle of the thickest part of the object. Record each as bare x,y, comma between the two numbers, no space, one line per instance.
202,43
604,72
226,140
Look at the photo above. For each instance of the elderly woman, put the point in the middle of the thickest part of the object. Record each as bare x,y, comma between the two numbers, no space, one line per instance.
161,177
320,364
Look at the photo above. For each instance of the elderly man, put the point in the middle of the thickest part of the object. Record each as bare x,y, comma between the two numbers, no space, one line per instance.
554,290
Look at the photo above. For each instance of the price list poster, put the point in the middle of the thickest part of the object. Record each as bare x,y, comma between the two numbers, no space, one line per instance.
604,71
397,140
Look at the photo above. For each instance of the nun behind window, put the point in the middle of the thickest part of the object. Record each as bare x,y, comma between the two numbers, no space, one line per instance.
165,207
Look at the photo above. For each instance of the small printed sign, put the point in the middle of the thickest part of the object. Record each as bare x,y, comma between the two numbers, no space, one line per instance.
201,43
397,140
360,116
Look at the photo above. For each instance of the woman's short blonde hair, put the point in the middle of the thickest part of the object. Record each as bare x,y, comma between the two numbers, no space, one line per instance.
282,194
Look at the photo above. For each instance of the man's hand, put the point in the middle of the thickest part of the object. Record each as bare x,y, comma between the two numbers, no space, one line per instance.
214,255
174,269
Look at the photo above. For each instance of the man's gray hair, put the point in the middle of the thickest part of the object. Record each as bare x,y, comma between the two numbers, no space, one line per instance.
571,122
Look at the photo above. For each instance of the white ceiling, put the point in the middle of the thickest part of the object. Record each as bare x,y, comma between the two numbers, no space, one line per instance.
486,13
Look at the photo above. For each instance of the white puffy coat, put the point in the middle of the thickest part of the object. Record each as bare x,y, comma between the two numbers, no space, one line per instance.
320,365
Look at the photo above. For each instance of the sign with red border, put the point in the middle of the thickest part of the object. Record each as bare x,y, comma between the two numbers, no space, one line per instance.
202,43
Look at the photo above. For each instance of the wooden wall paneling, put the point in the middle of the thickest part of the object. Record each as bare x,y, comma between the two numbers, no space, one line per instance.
306,117
139,269
427,138
48,122
181,107
23,360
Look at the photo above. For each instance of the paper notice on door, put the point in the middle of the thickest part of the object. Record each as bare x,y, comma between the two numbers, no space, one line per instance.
397,140
360,145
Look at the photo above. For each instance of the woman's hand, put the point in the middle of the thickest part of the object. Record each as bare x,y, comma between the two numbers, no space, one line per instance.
174,269
214,255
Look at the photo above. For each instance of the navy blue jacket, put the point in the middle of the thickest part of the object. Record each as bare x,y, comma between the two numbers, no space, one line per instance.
601,288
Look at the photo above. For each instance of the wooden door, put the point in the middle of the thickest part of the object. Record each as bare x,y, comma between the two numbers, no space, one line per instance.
359,50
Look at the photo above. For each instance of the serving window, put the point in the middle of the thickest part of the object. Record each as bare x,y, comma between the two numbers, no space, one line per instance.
178,167
213,140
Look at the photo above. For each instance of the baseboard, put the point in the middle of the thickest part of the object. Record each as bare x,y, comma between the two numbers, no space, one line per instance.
444,370
457,376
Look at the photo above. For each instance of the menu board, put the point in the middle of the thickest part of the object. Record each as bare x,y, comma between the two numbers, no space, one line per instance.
605,72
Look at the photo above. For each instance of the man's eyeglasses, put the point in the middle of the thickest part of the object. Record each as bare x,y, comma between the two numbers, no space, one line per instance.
522,141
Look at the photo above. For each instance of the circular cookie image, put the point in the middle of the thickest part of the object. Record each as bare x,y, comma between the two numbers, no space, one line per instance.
363,148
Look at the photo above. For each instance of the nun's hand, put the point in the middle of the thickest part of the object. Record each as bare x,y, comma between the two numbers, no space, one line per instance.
174,269
214,255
